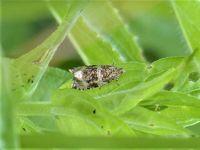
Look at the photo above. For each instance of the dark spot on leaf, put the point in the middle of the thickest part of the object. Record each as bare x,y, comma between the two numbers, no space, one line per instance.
32,76
151,124
194,76
94,111
108,132
24,74
24,129
56,117
29,80
13,89
22,85
17,76
169,86
102,126
193,135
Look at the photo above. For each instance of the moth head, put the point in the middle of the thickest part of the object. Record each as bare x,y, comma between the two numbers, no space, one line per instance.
77,72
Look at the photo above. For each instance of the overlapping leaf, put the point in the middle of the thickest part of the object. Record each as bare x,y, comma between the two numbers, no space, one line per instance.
135,102
187,16
78,114
153,122
181,108
27,70
101,38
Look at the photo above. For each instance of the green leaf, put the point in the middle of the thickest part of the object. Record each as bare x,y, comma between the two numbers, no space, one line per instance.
95,40
192,85
35,123
51,80
37,117
195,128
135,101
79,114
26,126
91,47
184,66
152,122
187,15
156,28
182,108
164,64
102,17
27,70
132,96
183,115
175,99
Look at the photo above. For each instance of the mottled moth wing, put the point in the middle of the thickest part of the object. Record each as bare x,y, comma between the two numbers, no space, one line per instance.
87,77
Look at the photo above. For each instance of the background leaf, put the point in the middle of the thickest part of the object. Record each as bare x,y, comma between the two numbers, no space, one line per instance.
41,122
132,96
181,108
78,114
91,47
157,99
122,46
29,68
112,29
152,122
155,27
51,80
186,12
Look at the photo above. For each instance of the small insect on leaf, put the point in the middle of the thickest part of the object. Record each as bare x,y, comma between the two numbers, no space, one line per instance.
87,77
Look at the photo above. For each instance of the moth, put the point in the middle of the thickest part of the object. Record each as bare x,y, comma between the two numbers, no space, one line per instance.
87,77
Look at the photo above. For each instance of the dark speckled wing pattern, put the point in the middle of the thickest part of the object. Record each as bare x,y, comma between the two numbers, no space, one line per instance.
87,77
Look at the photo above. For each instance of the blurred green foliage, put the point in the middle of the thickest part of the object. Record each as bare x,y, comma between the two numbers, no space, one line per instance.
23,20
156,28
152,99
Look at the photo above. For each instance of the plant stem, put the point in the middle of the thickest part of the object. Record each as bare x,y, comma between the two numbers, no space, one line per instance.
7,119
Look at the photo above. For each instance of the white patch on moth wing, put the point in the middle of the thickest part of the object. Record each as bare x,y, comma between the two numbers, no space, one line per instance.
99,74
78,75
